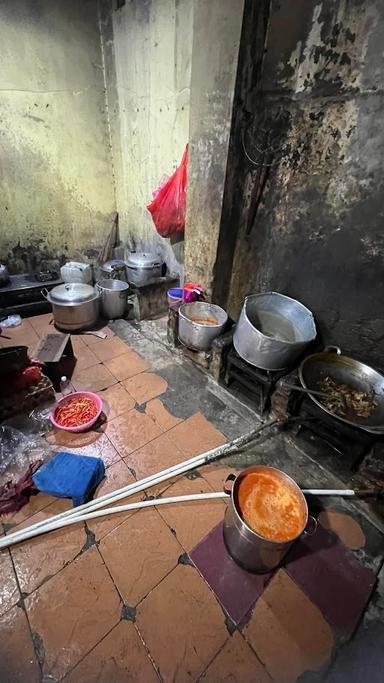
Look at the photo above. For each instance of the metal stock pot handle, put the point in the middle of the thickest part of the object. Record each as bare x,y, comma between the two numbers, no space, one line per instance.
311,526
44,292
231,477
332,349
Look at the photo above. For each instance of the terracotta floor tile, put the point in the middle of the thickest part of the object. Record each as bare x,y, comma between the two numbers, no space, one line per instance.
139,553
85,358
90,339
154,456
194,520
158,412
109,348
95,378
77,343
119,658
9,592
216,475
23,335
17,657
73,611
35,504
288,632
130,431
126,365
182,625
117,401
196,435
117,476
236,663
344,526
43,556
145,386
91,443
39,321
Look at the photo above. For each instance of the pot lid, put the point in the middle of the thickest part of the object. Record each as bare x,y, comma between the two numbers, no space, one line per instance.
72,293
110,266
144,260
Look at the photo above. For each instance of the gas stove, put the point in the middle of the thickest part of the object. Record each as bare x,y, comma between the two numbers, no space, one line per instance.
22,294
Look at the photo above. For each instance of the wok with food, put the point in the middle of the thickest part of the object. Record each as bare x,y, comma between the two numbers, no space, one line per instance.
356,391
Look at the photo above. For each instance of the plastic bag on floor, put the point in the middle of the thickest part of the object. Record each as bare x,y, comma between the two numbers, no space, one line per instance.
168,207
20,457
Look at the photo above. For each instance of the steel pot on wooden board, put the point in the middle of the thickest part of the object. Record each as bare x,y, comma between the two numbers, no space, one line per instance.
248,547
143,268
200,323
75,306
114,270
273,330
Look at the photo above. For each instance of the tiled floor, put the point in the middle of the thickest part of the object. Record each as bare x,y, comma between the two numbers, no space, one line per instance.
119,599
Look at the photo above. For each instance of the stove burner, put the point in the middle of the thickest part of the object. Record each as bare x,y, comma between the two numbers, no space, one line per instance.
46,276
259,384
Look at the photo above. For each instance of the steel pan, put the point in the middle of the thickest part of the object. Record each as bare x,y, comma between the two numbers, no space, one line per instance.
345,370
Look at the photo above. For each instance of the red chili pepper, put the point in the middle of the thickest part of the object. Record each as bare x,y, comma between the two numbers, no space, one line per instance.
76,412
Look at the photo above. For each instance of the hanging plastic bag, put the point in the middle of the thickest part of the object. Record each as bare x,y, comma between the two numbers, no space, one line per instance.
168,207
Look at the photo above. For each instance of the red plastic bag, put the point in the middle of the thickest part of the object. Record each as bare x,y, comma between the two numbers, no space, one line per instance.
168,207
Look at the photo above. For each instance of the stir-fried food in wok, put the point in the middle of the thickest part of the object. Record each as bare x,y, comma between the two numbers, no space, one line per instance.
343,400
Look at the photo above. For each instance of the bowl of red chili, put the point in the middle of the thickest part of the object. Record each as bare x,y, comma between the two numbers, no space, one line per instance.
77,412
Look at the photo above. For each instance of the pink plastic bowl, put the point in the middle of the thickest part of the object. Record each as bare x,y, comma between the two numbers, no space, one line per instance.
65,400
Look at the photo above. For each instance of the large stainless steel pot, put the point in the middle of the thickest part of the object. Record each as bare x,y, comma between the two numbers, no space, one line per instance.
193,331
143,268
249,550
75,306
113,298
273,330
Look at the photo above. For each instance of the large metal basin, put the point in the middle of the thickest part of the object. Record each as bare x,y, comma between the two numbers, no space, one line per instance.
194,332
273,330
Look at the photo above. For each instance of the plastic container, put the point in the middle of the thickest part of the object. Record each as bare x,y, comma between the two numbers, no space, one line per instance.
175,297
191,292
74,271
66,399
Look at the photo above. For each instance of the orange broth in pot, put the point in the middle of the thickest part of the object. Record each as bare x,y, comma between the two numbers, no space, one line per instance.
270,507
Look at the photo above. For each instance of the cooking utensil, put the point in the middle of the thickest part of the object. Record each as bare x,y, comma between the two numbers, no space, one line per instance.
115,269
250,550
273,330
143,268
193,331
294,387
113,298
75,306
345,370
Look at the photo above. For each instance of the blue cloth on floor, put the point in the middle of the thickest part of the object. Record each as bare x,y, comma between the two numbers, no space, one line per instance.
68,475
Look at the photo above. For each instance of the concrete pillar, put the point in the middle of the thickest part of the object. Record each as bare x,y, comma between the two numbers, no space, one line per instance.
216,40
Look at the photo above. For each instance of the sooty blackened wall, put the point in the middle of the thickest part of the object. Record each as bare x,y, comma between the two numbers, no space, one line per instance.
311,106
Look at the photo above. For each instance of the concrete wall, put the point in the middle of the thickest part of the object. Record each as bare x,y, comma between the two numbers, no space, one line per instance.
56,183
318,232
147,47
216,39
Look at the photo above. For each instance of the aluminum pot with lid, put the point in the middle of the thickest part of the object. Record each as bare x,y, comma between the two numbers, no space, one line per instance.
273,330
114,269
75,306
249,549
143,268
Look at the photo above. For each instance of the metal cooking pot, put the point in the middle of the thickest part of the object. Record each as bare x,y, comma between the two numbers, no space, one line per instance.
344,370
115,270
113,298
75,306
193,332
143,268
249,550
273,330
